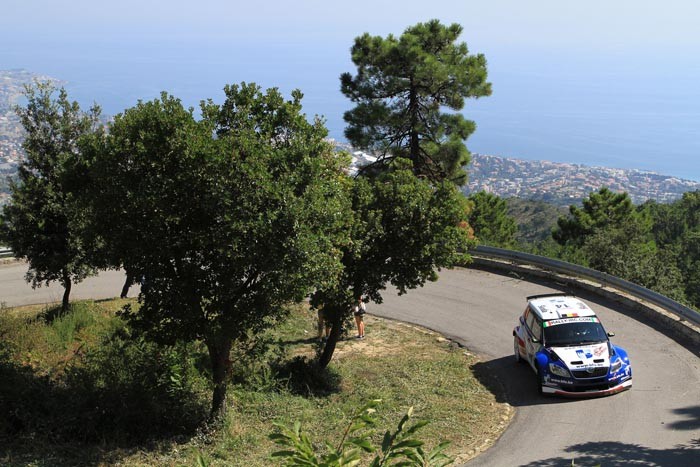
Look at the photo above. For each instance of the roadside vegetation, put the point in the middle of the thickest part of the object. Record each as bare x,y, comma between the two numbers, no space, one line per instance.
227,217
81,388
654,245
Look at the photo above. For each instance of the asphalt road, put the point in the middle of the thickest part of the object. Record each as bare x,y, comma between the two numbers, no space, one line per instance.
656,423
15,291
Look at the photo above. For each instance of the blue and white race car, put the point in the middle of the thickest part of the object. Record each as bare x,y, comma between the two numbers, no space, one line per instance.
561,338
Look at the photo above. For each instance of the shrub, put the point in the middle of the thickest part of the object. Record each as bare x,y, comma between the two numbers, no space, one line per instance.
399,445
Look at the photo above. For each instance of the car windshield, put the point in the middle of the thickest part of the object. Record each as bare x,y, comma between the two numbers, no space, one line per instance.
574,333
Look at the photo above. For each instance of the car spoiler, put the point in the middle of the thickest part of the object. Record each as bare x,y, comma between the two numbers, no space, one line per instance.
544,295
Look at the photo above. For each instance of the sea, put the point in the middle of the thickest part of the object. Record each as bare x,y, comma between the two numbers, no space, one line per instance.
615,109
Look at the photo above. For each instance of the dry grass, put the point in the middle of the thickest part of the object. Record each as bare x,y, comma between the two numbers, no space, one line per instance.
404,365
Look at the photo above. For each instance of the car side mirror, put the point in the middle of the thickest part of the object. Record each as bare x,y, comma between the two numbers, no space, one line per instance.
611,334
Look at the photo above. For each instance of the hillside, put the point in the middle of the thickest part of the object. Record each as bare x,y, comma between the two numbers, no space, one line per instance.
535,219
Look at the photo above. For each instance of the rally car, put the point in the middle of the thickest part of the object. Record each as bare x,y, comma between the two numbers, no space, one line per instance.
561,338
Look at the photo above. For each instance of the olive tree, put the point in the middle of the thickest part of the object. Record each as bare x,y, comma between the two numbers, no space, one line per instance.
225,220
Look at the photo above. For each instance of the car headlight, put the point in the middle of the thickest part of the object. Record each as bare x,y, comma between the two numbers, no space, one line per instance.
615,366
559,371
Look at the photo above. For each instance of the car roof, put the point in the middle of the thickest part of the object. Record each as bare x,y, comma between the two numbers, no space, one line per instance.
557,306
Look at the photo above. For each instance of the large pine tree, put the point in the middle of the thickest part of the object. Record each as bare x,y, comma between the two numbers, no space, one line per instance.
401,89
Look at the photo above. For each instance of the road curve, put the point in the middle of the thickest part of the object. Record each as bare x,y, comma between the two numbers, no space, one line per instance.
656,423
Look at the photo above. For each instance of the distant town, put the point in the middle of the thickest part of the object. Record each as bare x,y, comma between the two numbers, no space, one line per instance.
556,182
553,182
564,184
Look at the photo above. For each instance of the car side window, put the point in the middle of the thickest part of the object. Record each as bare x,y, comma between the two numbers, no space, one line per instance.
537,330
531,321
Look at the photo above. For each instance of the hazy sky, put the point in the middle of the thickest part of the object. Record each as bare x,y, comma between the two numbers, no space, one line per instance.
590,24
609,82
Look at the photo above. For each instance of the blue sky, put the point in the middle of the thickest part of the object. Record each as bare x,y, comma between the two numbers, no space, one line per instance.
597,82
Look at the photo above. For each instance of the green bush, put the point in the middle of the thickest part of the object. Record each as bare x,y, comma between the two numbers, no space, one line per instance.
399,447
121,387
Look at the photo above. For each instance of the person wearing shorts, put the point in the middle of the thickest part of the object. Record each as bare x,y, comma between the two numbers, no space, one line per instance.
359,311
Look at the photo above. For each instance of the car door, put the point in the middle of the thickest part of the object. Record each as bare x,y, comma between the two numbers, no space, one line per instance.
534,341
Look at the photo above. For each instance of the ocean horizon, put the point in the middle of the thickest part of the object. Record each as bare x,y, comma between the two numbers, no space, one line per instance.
608,115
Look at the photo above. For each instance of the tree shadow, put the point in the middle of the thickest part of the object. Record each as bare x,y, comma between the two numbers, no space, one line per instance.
304,377
92,413
51,314
692,421
614,454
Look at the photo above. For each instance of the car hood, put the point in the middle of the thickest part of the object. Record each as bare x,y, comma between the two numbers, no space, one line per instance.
584,356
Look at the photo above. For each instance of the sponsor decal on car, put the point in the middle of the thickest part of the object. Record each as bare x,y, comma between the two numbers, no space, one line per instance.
555,322
559,381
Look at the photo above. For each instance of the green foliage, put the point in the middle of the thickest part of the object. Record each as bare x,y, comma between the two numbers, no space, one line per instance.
78,378
627,251
398,447
257,358
600,209
227,219
402,229
653,245
400,89
534,219
43,221
490,220
65,328
676,229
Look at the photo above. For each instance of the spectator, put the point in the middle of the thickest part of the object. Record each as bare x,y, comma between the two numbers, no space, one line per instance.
359,311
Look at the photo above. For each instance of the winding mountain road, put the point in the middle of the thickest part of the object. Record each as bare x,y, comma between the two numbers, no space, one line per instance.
656,423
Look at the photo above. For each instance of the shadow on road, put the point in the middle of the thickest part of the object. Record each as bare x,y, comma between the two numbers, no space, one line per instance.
614,454
512,382
692,421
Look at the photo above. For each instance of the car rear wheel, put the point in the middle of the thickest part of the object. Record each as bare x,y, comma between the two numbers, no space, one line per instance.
516,351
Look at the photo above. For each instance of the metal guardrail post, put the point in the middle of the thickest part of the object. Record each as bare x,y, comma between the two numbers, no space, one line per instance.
555,265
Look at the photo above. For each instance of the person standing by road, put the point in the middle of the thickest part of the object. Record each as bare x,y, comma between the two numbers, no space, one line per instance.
359,311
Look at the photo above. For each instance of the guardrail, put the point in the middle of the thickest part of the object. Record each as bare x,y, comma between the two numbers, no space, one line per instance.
6,253
563,267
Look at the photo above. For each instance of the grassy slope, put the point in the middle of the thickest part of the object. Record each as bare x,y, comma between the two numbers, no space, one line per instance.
402,365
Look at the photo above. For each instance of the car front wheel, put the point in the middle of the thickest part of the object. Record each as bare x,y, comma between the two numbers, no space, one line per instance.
540,381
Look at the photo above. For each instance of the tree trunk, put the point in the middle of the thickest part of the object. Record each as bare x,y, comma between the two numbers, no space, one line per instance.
67,284
219,353
127,285
414,141
333,338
